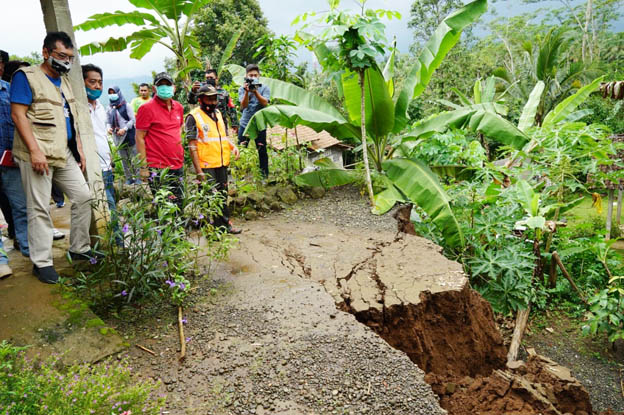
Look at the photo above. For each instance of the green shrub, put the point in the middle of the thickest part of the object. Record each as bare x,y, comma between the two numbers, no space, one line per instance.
158,258
49,388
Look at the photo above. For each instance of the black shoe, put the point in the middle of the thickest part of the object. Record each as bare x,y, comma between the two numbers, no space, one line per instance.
90,255
46,274
233,231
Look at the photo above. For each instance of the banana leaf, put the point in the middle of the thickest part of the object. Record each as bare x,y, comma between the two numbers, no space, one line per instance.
421,186
437,47
329,175
379,108
568,105
388,72
289,116
289,92
480,118
117,18
527,118
456,171
385,200
229,49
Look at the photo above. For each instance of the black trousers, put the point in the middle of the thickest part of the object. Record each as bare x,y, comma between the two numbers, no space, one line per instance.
261,145
173,181
8,214
219,176
57,194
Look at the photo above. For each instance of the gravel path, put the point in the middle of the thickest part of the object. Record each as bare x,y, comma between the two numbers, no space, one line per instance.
343,207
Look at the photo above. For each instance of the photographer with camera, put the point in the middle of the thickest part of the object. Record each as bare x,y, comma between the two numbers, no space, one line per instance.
254,96
224,101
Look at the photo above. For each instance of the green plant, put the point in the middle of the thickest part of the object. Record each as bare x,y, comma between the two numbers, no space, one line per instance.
148,253
162,24
606,313
50,388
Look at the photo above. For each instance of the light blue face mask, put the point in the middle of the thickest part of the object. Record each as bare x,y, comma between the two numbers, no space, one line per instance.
113,97
93,94
164,91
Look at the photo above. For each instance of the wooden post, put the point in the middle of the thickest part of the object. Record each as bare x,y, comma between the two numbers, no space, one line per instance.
521,321
57,18
610,213
619,208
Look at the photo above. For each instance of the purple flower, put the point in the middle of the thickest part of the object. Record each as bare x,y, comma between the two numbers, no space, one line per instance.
182,286
201,216
188,339
171,283
125,228
124,293
184,321
93,260
158,231
195,222
153,174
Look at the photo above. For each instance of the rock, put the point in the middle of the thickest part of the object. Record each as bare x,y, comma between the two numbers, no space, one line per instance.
286,195
450,388
276,206
315,192
255,197
251,215
240,200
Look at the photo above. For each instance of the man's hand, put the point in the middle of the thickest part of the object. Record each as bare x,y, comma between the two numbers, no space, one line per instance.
110,130
200,176
246,88
145,174
236,153
121,132
83,161
195,86
39,162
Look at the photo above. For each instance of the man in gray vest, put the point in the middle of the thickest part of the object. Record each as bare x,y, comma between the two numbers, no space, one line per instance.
48,150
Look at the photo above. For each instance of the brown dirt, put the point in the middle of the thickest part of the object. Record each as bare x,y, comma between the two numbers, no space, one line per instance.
450,333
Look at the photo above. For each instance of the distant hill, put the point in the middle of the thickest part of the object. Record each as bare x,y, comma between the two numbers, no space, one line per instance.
125,84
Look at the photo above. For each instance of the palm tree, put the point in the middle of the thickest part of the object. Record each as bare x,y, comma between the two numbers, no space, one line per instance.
165,22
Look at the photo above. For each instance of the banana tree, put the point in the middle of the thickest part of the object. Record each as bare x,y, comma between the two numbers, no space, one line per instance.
164,22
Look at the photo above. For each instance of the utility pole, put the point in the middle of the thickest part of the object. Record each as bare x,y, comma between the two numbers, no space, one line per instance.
57,18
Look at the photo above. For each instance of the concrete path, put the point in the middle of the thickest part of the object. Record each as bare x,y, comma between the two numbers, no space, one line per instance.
46,318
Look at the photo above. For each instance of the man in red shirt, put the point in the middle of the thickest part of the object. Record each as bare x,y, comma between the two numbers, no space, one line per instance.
158,138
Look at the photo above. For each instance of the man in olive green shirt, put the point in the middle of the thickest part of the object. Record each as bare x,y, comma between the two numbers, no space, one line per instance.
143,97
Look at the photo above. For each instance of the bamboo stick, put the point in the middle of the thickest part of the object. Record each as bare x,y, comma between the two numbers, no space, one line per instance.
610,214
181,332
522,317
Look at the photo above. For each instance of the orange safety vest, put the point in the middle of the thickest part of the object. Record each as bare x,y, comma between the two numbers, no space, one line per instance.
213,146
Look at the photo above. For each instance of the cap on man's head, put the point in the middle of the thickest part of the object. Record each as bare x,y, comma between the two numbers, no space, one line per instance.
207,90
162,76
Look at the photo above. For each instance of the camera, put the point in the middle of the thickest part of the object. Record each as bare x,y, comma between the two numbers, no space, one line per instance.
252,83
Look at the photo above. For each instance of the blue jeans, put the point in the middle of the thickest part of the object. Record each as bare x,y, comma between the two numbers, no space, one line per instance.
3,258
11,183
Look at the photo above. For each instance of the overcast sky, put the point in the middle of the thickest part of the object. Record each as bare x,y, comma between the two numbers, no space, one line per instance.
22,30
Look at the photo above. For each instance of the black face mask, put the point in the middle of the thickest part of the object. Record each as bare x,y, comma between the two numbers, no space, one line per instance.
59,66
208,107
211,81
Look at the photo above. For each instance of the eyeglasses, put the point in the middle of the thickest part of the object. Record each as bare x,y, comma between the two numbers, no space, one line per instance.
63,56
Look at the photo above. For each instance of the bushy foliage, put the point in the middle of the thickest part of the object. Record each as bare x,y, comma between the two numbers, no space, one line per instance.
49,388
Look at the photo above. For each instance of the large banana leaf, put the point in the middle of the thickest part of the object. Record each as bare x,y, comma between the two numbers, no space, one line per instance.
118,18
388,72
444,38
290,93
288,116
420,186
568,105
378,105
527,118
385,200
229,49
329,175
480,118
172,9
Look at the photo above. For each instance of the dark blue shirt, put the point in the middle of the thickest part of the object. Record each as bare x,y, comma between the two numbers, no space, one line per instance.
6,124
22,94
254,105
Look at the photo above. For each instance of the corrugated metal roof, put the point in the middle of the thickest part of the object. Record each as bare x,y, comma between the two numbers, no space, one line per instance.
307,137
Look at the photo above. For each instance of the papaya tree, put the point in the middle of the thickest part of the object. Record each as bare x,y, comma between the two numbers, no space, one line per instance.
164,22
